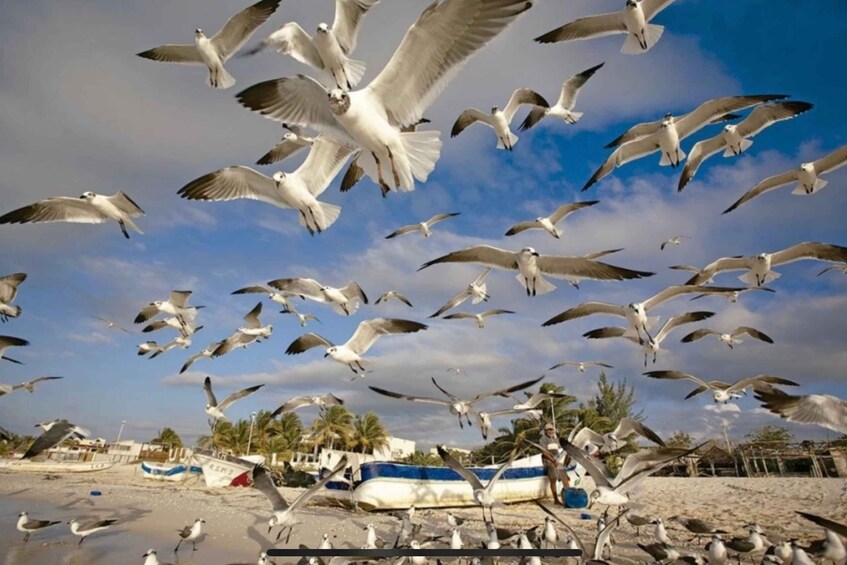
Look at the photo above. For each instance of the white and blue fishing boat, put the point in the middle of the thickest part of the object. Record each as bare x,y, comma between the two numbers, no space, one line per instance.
175,472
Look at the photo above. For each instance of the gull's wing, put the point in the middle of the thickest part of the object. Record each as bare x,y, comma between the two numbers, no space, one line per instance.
831,162
605,534
564,364
445,35
495,312
293,40
146,313
586,309
174,53
326,157
210,396
238,395
233,183
252,317
522,226
402,231
451,462
566,210
190,361
305,342
125,204
252,290
825,523
585,28
503,468
469,117
678,320
707,112
757,383
39,380
306,288
299,100
810,250
369,331
559,267
262,481
385,296
677,375
768,184
701,151
452,303
572,86
449,395
645,462
292,404
769,114
582,458
281,151
506,391
605,333
9,286
520,97
58,209
625,153
441,217
54,436
635,132
819,409
628,426
179,298
313,490
652,7
752,332
459,316
484,254
238,29
352,291
721,265
677,290
481,277
348,18
424,399
699,334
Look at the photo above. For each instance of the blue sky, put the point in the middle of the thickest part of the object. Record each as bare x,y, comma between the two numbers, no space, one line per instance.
79,111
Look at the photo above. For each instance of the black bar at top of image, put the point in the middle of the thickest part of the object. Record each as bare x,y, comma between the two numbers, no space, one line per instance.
409,552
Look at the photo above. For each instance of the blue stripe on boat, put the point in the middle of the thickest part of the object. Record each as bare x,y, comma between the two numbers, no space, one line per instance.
172,471
376,470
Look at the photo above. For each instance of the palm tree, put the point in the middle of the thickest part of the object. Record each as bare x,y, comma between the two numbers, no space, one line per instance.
334,423
233,437
370,435
281,436
169,438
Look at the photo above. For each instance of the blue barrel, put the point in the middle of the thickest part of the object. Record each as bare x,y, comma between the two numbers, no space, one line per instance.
575,498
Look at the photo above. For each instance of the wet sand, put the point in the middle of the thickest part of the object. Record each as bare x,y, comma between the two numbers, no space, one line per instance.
150,514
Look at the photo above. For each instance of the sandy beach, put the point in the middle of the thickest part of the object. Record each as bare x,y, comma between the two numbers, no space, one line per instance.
150,513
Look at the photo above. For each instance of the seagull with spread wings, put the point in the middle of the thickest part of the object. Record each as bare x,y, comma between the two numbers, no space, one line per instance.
575,281
322,401
206,353
759,266
721,391
8,292
806,176
352,351
500,120
446,34
731,339
90,208
675,240
213,52
7,341
548,223
176,305
531,265
735,138
581,365
480,318
344,300
330,50
564,106
111,325
633,21
156,349
55,432
28,386
251,331
617,438
393,295
292,142
818,409
477,291
423,227
483,495
298,190
281,298
216,409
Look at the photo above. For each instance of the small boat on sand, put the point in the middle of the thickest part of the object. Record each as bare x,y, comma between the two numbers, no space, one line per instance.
222,470
54,466
175,472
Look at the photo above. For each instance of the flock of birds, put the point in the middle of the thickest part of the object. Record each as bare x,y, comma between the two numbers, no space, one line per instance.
381,130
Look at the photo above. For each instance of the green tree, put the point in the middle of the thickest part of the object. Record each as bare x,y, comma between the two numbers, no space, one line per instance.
169,438
421,458
612,403
333,428
17,444
772,437
679,439
233,436
369,434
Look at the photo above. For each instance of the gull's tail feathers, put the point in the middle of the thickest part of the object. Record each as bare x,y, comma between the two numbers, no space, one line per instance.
651,35
819,184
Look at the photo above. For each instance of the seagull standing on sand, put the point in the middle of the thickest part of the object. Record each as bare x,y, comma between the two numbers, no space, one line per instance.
8,292
213,52
331,48
831,547
721,391
216,409
548,224
483,495
446,34
633,21
480,318
190,533
500,120
477,291
352,351
85,529
28,526
90,208
423,227
531,265
152,558
731,339
818,409
563,108
345,300
806,177
735,138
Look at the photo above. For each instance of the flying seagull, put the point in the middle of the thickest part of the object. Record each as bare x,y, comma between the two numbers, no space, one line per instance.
483,418
721,391
157,349
759,266
653,343
500,120
351,352
251,331
483,495
735,138
480,318
7,341
675,240
617,438
531,265
548,224
278,297
633,21
302,318
393,294
446,34
28,526
284,514
90,208
85,529
344,300
8,292
666,134
423,227
186,327
27,385
213,52
563,108
292,142
806,177
817,409
111,325
216,409
477,291
54,433
581,365
176,305
731,338
203,353
330,50
322,401
298,190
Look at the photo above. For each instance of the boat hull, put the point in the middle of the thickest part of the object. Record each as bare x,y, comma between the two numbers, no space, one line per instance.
55,467
174,472
221,471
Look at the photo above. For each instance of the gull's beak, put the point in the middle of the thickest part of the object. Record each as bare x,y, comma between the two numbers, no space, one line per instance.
535,254
270,528
326,355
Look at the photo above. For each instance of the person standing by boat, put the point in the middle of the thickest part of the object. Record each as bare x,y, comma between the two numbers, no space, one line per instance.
554,473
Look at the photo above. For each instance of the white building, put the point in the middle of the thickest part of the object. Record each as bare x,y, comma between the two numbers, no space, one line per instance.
396,449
